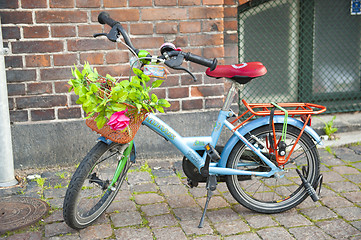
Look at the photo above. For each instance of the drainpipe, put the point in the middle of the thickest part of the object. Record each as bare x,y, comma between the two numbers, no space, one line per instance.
6,149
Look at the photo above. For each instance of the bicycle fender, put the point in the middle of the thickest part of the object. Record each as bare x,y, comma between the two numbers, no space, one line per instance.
259,123
133,154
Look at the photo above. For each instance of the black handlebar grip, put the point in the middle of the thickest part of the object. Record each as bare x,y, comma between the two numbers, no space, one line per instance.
104,18
211,63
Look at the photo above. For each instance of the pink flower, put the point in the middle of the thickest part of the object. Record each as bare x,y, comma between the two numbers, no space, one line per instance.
118,121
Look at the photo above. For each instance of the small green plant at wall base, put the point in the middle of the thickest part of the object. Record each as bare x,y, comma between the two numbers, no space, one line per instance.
329,129
106,96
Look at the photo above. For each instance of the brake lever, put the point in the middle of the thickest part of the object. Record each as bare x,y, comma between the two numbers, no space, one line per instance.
112,35
175,62
99,34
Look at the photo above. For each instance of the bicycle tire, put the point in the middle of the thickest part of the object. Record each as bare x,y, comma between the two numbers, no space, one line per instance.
273,195
88,196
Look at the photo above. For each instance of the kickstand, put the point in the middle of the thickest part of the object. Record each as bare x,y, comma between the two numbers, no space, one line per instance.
211,186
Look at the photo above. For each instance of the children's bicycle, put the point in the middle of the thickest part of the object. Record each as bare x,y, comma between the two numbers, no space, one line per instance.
270,164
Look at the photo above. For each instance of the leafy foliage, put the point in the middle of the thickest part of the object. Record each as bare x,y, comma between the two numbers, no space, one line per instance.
329,129
105,95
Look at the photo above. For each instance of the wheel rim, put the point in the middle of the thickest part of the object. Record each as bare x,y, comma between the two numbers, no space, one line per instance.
273,192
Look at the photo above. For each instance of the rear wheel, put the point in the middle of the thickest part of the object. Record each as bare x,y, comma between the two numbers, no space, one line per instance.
89,194
273,195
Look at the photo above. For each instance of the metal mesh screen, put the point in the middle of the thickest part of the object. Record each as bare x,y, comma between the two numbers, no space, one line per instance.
310,48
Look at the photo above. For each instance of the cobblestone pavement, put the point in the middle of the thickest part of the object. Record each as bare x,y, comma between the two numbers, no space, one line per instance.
159,205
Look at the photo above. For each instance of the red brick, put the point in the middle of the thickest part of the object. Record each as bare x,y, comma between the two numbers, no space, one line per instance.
42,115
11,32
123,15
140,3
205,12
39,88
61,3
187,80
165,2
33,4
164,14
37,46
117,57
231,38
214,103
63,31
37,60
189,2
160,92
230,12
180,92
9,4
231,25
92,58
89,30
61,16
195,92
213,26
171,81
141,28
88,3
181,41
212,2
230,2
90,44
146,43
214,52
36,32
117,70
189,27
65,59
41,101
209,91
16,89
13,61
241,2
192,104
17,17
174,106
113,4
19,116
11,103
55,73
206,40
20,75
67,113
166,28
61,86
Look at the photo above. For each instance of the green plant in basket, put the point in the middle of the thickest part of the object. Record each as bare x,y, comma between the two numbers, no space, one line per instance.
110,99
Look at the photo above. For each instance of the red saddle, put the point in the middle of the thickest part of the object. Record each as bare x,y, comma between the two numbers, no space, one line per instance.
241,73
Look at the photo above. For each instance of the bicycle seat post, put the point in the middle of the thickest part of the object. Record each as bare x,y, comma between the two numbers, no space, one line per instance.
230,96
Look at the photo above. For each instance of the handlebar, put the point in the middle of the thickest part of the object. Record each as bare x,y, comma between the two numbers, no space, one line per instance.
104,18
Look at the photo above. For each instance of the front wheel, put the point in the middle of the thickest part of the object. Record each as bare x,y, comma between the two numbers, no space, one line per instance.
273,194
89,193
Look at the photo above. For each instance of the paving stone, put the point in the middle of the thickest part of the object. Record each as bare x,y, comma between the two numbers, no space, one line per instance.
25,236
215,202
55,193
309,233
191,228
54,229
144,187
222,187
349,213
336,201
178,201
133,233
356,165
337,228
356,149
135,178
56,216
331,161
230,199
148,198
187,214
357,224
168,181
96,232
260,221
166,220
355,178
325,192
121,206
155,209
56,202
292,219
156,165
207,237
345,154
242,210
169,190
221,215
245,236
231,227
161,173
319,213
126,219
65,237
343,186
169,233
198,192
332,177
274,233
309,203
123,195
345,170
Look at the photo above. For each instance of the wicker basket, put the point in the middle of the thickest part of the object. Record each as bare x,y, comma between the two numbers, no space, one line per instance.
122,137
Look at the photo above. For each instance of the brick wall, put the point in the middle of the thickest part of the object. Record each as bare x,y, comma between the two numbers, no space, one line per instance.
47,37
